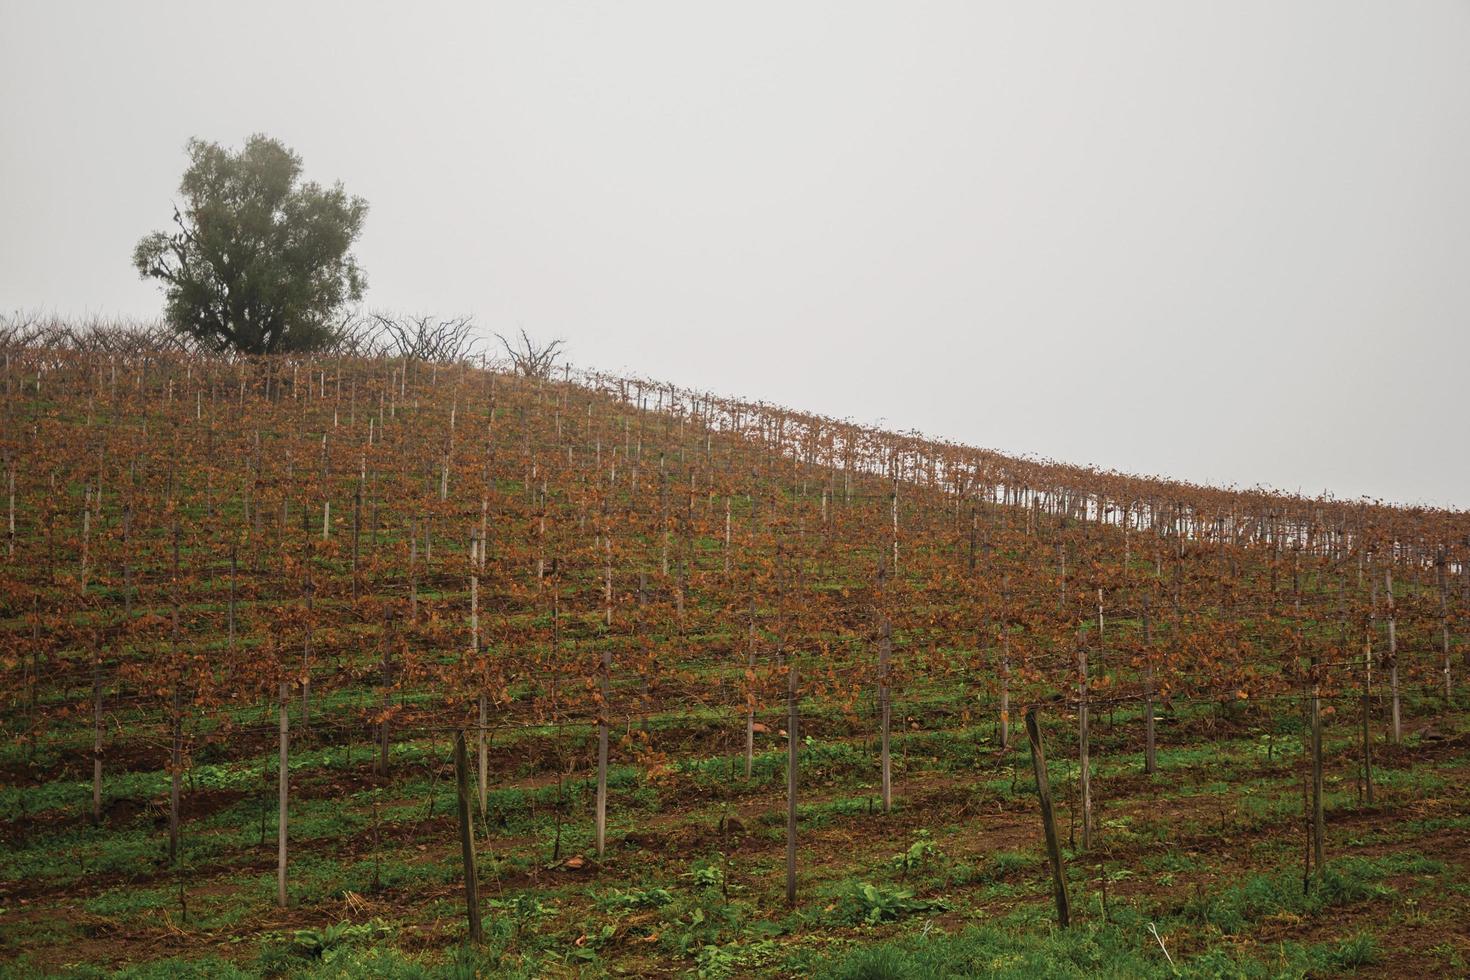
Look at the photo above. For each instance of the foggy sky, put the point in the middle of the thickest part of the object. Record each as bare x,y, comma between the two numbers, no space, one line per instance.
1226,243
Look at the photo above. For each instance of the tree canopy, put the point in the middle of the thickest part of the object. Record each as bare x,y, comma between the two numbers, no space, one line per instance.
257,262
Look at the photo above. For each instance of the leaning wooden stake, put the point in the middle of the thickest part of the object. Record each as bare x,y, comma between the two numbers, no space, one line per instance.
793,740
1048,820
467,837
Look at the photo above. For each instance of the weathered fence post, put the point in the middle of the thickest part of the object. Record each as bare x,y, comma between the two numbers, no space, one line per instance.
1048,821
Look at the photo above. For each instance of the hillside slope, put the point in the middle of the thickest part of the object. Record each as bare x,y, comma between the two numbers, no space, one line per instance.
617,589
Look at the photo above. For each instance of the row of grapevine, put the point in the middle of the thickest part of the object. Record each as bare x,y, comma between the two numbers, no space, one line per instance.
216,555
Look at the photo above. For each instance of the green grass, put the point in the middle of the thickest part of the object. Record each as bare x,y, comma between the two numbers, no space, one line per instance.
1345,881
993,952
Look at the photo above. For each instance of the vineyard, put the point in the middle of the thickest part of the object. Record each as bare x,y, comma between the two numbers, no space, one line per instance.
374,666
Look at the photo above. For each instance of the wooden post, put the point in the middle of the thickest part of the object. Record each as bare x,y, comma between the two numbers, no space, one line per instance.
1100,647
357,528
1048,819
1149,757
602,751
176,714
1393,659
467,837
482,776
384,705
176,775
793,739
413,572
602,726
895,522
1084,764
1444,621
1319,826
283,788
1367,752
1005,687
885,708
974,527
96,737
86,536
749,694
230,615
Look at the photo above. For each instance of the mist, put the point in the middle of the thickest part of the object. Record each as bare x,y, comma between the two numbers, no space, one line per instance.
1223,244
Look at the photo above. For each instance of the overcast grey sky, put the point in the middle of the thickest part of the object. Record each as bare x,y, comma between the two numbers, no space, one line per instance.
1224,242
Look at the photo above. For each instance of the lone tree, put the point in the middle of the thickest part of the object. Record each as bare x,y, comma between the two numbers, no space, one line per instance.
257,263
531,358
